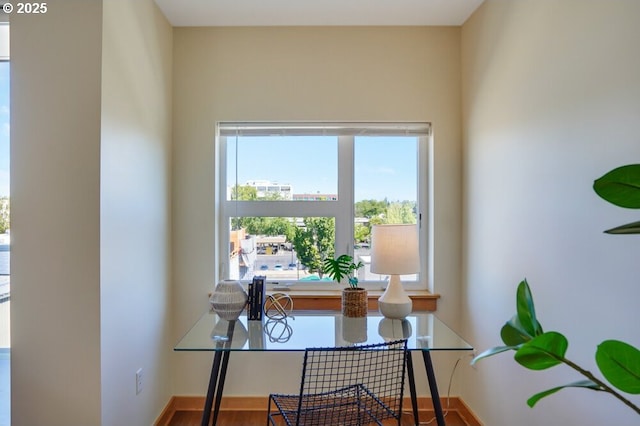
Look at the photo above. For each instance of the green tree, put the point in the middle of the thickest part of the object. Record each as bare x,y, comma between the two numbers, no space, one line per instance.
244,193
370,208
4,215
266,226
252,225
382,212
315,242
361,233
378,220
278,226
271,196
400,213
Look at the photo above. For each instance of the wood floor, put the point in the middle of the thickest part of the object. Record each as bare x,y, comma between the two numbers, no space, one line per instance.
258,418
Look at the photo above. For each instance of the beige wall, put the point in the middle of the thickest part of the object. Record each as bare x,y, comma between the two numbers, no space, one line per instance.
55,212
551,102
312,73
135,220
90,189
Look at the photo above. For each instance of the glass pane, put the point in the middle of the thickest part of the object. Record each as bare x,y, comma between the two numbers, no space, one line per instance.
320,328
281,248
386,190
298,168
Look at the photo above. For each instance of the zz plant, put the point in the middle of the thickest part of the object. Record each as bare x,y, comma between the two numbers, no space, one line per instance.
536,349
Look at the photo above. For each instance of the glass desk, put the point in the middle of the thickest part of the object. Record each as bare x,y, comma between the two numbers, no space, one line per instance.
303,329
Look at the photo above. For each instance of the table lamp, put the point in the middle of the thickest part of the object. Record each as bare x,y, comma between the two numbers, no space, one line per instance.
395,251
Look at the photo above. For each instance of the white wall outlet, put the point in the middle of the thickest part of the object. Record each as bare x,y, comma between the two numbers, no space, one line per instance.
138,381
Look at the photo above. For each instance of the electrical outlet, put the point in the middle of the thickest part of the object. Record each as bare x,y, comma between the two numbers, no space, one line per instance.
138,381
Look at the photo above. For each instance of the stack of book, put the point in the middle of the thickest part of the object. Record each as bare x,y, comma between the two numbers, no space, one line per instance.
257,292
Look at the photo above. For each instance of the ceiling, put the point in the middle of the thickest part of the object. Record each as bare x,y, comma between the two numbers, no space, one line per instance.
319,12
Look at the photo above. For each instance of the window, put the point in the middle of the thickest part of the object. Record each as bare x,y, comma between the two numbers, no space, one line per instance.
292,194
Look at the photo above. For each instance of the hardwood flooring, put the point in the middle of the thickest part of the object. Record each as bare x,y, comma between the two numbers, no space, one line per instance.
258,418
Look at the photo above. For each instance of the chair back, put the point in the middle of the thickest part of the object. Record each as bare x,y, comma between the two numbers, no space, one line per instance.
354,385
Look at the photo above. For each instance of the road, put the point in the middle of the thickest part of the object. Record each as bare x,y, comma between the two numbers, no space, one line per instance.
283,258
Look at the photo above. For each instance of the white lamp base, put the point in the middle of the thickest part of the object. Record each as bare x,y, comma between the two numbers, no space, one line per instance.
394,329
394,302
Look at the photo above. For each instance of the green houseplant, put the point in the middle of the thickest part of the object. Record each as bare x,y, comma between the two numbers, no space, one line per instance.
354,298
536,349
621,186
342,267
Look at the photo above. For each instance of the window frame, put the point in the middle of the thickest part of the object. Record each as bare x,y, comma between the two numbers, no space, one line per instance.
343,207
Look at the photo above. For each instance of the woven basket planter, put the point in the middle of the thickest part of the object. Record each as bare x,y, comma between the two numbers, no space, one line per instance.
354,302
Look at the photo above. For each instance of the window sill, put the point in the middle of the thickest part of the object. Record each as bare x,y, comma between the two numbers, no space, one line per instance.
331,300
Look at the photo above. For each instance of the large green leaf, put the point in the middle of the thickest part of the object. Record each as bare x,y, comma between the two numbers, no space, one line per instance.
619,362
621,186
526,310
544,351
630,228
581,384
492,351
337,268
513,333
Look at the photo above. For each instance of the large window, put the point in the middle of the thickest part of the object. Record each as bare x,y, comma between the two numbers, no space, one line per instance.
292,194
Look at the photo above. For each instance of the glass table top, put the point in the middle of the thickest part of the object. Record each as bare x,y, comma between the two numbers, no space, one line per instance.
304,329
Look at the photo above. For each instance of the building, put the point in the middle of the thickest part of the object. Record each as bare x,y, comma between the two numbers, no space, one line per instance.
267,189
315,197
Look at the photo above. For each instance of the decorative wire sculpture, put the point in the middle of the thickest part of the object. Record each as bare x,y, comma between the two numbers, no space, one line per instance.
278,306
278,330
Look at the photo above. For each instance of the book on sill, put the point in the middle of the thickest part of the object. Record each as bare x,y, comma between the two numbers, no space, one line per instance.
257,296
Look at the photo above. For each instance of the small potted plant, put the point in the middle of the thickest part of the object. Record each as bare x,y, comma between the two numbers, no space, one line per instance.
354,298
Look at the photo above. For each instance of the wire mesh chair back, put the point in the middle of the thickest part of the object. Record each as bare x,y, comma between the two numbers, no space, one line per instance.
347,386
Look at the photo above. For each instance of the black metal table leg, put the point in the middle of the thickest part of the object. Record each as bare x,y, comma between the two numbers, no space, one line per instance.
412,388
223,375
435,397
213,384
216,380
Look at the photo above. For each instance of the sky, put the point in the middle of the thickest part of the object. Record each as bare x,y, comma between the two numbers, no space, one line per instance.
4,129
385,167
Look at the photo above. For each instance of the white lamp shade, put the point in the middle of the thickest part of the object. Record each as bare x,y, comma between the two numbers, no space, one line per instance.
395,249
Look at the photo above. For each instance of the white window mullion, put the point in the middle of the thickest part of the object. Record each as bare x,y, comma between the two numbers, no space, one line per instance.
281,208
221,227
345,204
424,205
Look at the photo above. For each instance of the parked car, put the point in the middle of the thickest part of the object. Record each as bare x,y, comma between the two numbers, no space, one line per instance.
277,267
264,267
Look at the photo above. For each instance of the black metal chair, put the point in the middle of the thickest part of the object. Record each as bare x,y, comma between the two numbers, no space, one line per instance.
346,386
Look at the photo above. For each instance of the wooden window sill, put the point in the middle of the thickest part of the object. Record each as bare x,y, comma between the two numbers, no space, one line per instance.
331,300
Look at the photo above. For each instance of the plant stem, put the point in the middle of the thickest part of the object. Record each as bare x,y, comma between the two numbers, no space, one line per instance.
604,386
